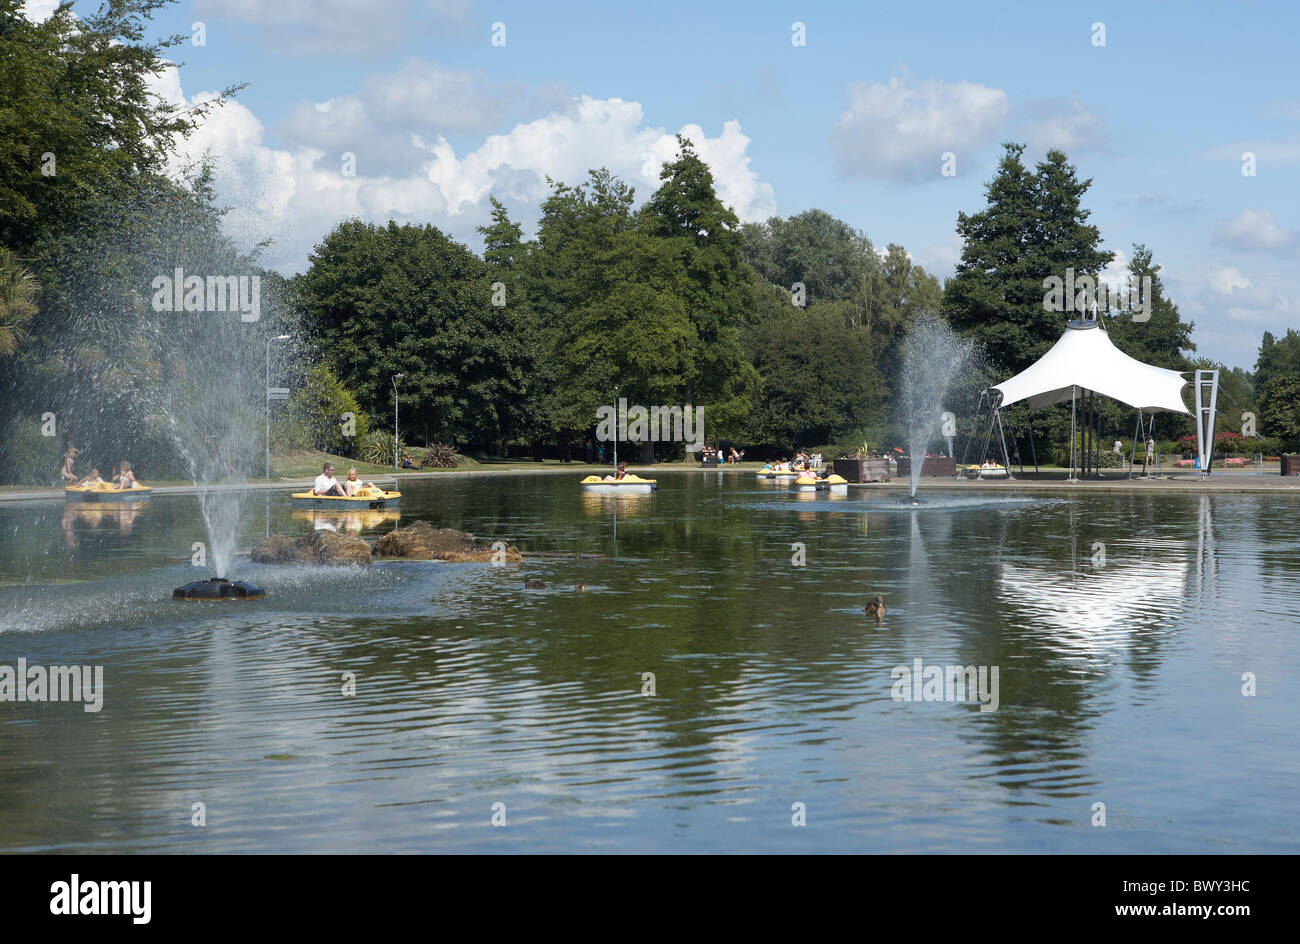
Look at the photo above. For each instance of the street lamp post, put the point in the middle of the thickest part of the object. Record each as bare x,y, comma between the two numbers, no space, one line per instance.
279,337
616,430
396,440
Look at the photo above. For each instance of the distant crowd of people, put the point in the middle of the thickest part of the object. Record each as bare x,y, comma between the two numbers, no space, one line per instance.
802,462
715,452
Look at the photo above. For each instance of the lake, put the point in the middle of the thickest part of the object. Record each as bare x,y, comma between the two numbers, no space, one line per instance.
715,684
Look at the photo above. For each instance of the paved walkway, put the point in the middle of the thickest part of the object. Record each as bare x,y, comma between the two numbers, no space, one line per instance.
1185,483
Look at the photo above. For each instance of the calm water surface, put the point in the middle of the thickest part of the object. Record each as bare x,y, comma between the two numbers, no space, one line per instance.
1120,682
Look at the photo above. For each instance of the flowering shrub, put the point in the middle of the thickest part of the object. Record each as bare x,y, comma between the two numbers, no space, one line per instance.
1236,461
1185,462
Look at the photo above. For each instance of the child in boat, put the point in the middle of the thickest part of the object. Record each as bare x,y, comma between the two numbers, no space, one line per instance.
353,484
68,474
93,479
621,474
125,477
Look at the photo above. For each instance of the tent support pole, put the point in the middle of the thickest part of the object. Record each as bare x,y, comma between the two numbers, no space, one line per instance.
1132,457
966,449
1073,408
1006,458
1091,468
1015,441
1085,447
989,433
1082,434
1096,409
1033,450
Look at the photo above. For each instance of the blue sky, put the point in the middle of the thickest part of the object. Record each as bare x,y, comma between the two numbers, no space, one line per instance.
854,122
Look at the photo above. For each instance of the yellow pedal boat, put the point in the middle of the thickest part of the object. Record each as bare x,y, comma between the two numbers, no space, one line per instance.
806,481
628,483
364,498
106,492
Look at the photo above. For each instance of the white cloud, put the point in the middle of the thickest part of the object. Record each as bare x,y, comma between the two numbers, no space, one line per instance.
1266,150
1116,274
901,130
385,121
1254,229
1226,280
1069,126
1233,294
597,133
38,11
940,259
296,195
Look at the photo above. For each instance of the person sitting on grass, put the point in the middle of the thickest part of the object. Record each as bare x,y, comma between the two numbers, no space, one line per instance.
125,477
327,484
353,484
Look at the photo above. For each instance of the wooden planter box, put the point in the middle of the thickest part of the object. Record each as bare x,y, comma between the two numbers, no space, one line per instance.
1291,465
862,470
933,467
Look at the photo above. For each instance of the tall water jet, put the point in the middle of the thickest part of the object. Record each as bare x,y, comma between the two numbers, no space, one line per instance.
162,334
210,393
933,355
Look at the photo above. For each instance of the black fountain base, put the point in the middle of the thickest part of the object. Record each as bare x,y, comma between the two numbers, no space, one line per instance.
911,500
218,589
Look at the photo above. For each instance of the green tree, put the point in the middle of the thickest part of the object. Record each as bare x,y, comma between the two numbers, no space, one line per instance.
1164,338
18,288
1034,226
317,415
515,326
383,300
77,112
1277,381
610,299
686,213
827,256
820,382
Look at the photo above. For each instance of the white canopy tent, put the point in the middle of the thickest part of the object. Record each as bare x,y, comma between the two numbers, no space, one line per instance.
1085,361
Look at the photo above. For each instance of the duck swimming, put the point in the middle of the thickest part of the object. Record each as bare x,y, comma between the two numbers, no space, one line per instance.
876,608
580,587
534,585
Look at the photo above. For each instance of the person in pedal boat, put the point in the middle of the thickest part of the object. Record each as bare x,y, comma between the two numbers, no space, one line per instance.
621,474
125,477
327,484
354,484
93,479
68,475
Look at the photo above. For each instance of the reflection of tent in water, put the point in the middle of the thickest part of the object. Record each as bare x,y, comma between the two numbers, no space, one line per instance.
1084,364
1095,608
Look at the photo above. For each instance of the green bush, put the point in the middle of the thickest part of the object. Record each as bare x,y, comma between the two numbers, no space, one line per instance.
377,448
439,456
320,413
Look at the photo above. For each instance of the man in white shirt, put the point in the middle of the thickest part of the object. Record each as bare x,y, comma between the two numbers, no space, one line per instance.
326,484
